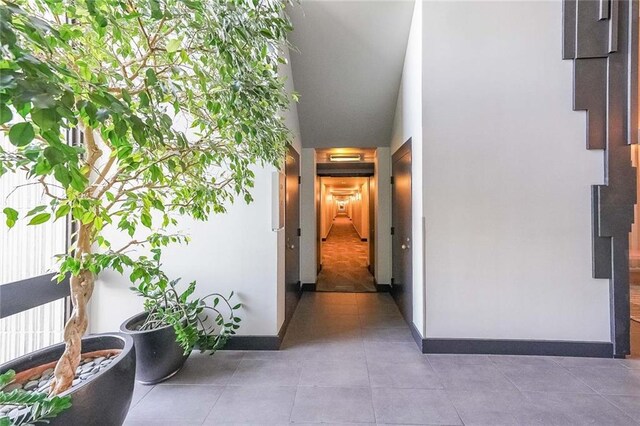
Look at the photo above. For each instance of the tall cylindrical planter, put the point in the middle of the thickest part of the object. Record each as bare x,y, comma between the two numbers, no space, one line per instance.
103,399
159,356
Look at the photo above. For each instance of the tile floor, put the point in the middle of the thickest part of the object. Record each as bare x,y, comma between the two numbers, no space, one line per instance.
348,358
344,260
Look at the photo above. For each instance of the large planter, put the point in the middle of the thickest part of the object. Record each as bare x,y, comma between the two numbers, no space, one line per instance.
103,399
159,356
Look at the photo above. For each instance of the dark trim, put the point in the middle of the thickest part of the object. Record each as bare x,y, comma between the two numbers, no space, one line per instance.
517,347
324,239
364,240
604,50
309,287
253,343
383,288
511,347
262,343
23,295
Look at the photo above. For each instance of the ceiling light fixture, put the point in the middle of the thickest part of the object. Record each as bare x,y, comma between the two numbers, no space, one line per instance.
345,158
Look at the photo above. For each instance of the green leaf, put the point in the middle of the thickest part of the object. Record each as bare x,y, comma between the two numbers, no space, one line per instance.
63,210
21,134
11,216
62,175
40,218
6,378
35,210
145,218
174,45
46,119
54,155
5,114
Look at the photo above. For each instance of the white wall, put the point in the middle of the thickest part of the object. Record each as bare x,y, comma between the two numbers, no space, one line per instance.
506,178
382,205
408,124
235,251
308,246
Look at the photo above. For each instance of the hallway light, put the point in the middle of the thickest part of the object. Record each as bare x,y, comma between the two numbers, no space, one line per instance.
345,158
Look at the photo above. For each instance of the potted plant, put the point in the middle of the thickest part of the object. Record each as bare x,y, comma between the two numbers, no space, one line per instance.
169,103
173,323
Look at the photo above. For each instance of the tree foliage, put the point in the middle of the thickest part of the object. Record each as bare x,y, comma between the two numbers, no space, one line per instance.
169,102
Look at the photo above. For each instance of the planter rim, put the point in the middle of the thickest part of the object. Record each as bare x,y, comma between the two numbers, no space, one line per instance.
139,315
126,348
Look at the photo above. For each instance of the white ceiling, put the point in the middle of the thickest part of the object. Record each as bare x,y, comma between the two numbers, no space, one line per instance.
347,69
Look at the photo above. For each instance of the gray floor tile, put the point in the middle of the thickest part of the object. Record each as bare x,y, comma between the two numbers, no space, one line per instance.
630,405
251,404
409,375
414,406
202,369
632,363
393,352
260,372
332,404
331,372
387,334
544,379
176,403
328,348
160,423
473,377
459,359
610,381
548,409
522,360
139,392
488,408
382,320
569,362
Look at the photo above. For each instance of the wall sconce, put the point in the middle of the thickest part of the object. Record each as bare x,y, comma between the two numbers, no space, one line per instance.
335,158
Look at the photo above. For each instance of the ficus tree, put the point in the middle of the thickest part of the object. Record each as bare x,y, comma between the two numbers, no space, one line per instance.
171,102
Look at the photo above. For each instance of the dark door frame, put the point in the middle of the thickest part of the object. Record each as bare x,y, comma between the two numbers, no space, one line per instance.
403,294
292,233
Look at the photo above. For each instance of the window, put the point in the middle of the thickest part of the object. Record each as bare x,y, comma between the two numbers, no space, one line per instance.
27,252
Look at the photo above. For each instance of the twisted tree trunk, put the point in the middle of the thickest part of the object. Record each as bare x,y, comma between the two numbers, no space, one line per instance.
81,285
81,290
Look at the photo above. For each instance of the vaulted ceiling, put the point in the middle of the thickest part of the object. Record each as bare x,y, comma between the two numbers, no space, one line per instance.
347,69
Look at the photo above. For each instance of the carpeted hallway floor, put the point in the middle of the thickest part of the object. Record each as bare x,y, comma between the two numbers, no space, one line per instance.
344,260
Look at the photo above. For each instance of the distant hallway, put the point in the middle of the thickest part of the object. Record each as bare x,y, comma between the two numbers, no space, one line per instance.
344,260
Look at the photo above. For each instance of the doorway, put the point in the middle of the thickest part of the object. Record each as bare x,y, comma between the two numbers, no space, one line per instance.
345,215
292,231
401,217
634,265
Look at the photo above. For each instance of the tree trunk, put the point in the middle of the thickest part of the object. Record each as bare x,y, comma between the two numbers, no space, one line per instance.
81,290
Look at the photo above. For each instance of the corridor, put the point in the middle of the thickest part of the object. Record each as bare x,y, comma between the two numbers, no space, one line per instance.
344,260
350,358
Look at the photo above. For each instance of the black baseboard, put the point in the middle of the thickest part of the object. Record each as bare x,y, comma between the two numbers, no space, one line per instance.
512,347
253,343
264,343
308,287
383,288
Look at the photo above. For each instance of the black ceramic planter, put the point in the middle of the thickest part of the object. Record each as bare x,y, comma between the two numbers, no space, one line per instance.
159,356
102,400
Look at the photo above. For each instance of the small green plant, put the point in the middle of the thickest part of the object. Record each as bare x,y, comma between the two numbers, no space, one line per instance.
205,322
35,407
